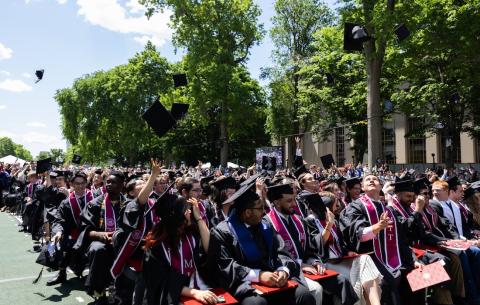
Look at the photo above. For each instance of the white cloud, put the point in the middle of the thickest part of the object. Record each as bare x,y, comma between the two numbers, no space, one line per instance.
2,107
14,85
4,133
4,73
111,15
27,75
5,53
36,124
62,1
38,137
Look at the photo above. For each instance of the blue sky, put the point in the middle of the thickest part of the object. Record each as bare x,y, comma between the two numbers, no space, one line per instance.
70,38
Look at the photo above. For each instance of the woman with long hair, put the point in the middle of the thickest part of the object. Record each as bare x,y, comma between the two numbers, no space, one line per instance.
174,248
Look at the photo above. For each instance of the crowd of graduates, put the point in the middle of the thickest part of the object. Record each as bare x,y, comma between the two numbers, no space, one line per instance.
299,236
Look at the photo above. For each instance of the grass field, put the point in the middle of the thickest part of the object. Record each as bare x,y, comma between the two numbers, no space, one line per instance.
18,269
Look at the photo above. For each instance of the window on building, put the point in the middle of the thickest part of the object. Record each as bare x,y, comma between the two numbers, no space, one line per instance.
458,156
416,144
389,144
340,146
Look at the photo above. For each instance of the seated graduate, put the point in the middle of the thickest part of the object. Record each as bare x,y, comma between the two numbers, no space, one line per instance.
66,225
222,189
98,187
360,270
189,187
298,243
246,249
99,222
174,249
368,225
137,220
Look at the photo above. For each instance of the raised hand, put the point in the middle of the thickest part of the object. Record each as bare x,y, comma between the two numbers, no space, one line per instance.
156,166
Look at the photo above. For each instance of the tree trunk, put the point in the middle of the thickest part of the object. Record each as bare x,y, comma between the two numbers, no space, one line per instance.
374,110
223,137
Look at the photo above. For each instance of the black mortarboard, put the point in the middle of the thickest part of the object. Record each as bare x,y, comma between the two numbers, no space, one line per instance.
354,35
330,79
223,183
162,199
53,174
269,163
49,260
205,184
76,159
352,181
469,192
404,186
420,184
453,182
327,161
276,191
301,170
39,75
242,197
339,180
402,32
180,80
250,180
327,201
59,174
167,206
159,118
44,165
179,110
99,171
315,203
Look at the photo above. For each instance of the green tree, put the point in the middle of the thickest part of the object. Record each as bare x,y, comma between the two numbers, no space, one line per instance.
8,147
218,35
292,31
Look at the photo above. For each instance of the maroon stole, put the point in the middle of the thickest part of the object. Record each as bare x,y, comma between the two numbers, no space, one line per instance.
107,215
398,206
77,210
333,240
153,216
392,255
203,212
30,187
279,226
463,210
182,260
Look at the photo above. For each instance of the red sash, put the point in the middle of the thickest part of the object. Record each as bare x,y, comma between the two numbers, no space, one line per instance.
297,209
182,261
392,260
77,210
130,245
279,226
334,240
107,216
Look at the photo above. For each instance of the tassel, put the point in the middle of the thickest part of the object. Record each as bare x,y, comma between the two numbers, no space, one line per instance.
39,276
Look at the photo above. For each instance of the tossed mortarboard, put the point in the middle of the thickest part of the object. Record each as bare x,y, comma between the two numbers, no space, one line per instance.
327,161
402,32
354,35
352,181
179,80
223,183
404,186
76,159
179,110
330,79
44,165
159,118
453,182
39,75
269,163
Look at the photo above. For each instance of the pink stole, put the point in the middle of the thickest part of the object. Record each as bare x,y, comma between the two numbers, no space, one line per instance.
203,212
77,210
297,209
334,240
391,247
182,260
153,216
108,215
398,206
279,226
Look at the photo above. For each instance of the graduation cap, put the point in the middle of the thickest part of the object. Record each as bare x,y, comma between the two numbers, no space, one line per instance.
330,79
44,165
354,35
420,184
269,163
179,80
160,201
299,171
402,32
242,197
223,183
250,180
404,186
57,174
205,184
327,161
159,118
99,171
276,191
352,181
340,180
453,182
315,203
39,75
76,159
179,110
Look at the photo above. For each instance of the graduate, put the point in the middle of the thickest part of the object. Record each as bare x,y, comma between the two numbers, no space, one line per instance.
367,226
360,271
99,221
223,188
66,226
297,239
174,249
98,186
160,185
246,249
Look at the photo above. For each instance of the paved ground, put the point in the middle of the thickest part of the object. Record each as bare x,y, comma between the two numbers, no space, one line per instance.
18,270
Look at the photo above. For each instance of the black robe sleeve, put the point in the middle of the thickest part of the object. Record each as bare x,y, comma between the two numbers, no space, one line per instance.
353,220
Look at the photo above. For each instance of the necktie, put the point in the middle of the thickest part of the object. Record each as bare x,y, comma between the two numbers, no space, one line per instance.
453,214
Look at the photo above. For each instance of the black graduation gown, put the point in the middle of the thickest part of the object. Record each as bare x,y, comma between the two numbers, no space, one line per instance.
52,198
225,252
448,229
164,284
302,204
